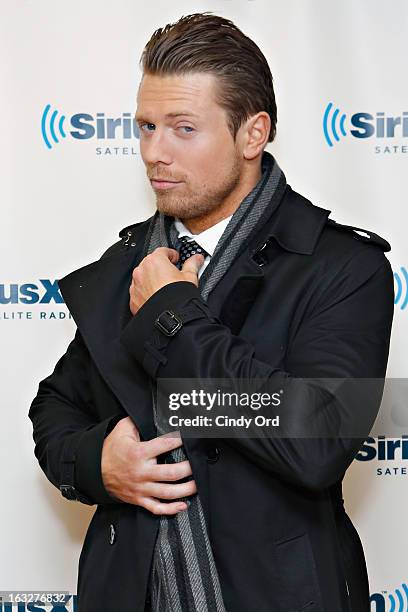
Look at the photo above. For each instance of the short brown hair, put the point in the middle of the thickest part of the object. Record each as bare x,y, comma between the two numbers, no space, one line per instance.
202,42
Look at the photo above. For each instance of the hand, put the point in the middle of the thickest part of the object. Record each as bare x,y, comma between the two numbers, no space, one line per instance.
130,471
157,270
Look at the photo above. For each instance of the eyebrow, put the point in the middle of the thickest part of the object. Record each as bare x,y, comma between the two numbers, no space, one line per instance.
170,115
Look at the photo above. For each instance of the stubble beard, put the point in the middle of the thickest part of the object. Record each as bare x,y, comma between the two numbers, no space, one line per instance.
195,204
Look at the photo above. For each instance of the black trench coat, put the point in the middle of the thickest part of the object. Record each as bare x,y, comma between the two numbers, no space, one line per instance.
307,298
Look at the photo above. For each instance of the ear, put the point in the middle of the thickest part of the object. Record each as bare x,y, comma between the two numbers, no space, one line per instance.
256,134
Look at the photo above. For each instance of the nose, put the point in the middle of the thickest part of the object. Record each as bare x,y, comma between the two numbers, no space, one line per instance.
155,148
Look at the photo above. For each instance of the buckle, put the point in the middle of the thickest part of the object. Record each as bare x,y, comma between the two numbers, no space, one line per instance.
259,257
71,493
68,491
168,323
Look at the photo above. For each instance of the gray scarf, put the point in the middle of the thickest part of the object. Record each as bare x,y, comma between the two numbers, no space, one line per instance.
183,576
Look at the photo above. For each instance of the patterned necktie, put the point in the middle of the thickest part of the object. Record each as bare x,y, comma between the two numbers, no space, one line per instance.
187,249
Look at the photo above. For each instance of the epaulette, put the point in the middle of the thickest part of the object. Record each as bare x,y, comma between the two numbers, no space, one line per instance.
366,236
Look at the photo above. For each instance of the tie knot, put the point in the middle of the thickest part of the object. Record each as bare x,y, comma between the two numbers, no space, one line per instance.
189,247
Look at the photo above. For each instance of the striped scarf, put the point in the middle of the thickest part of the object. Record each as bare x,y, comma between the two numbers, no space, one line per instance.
183,575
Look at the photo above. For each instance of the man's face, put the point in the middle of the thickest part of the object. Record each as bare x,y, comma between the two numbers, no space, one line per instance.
184,138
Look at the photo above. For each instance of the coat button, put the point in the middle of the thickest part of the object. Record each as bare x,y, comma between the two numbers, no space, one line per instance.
112,534
213,454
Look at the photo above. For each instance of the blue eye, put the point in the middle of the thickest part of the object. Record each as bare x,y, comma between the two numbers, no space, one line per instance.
187,127
141,126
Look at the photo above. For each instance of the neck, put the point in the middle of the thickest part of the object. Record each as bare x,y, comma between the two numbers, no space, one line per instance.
228,206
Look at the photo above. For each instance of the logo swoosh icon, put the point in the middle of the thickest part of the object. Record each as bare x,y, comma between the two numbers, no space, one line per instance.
333,121
50,127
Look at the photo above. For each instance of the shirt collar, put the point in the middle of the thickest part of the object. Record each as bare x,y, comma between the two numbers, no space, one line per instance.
208,239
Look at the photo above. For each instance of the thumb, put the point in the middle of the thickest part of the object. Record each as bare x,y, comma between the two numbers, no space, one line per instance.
193,264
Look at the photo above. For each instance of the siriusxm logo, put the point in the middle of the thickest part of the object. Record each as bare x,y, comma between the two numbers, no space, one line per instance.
30,293
384,449
84,126
401,288
397,601
362,125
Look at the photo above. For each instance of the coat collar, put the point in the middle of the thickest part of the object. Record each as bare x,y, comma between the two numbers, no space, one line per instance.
297,224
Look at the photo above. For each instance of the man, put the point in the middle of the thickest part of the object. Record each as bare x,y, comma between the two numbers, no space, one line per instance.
270,288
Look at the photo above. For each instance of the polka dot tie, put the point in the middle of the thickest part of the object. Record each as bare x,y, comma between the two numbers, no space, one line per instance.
187,249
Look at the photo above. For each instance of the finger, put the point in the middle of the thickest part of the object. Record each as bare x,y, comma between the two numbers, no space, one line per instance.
164,490
171,254
174,256
170,472
162,444
193,264
157,507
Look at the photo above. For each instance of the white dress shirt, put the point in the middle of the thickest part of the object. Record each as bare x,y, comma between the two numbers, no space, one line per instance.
208,239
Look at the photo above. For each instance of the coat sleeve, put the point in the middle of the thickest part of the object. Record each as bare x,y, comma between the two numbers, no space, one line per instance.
68,438
67,435
345,333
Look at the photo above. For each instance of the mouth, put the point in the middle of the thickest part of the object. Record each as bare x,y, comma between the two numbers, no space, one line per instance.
163,184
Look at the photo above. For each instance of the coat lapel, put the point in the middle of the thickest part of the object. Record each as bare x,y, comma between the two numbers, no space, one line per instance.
295,226
97,296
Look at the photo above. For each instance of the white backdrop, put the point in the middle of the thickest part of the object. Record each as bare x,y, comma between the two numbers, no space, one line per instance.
82,58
